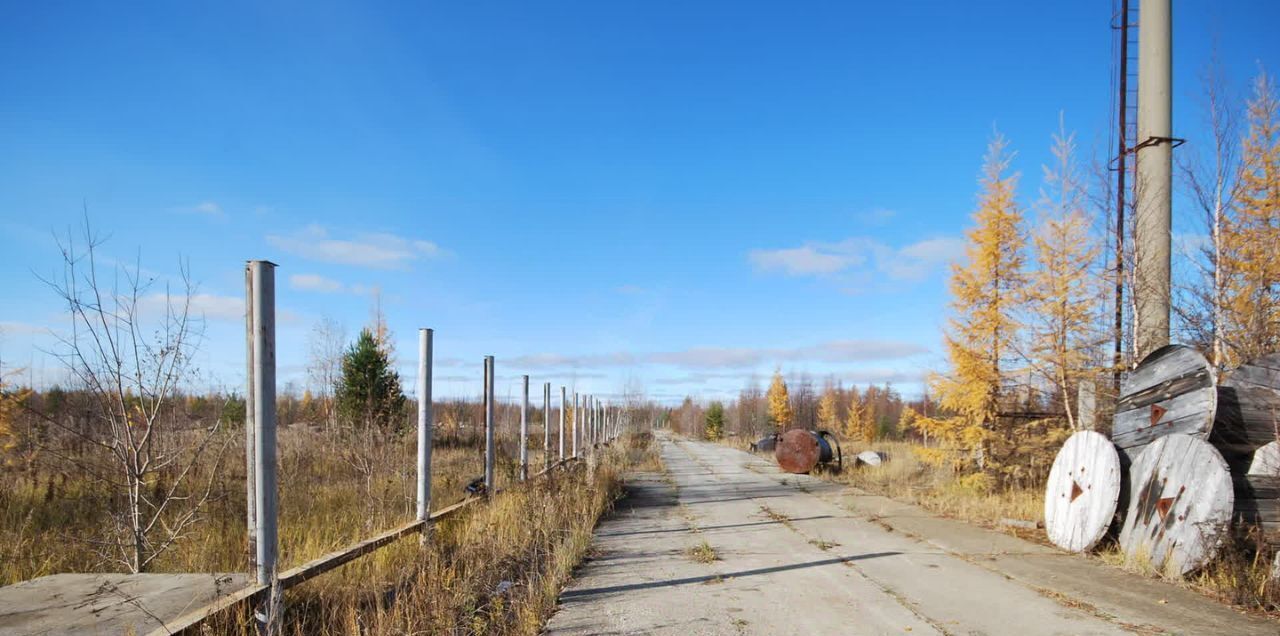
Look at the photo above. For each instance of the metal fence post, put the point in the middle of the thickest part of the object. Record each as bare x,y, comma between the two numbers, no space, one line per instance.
524,429
264,415
488,426
577,418
426,424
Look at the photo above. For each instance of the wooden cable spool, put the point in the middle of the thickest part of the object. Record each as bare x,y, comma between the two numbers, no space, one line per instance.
1248,414
1257,503
1083,491
1258,492
1172,390
1180,504
1245,431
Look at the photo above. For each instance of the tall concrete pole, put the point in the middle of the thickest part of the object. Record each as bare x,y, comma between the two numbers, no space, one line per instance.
425,423
564,404
546,425
1154,162
250,440
263,275
524,429
488,426
577,423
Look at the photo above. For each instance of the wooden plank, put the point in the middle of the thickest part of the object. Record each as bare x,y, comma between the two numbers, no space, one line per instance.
1180,504
318,566
1083,491
1173,391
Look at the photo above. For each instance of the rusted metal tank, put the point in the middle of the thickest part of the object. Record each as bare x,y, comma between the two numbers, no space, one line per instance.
800,451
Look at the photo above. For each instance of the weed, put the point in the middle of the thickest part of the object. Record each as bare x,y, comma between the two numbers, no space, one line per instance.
823,545
702,553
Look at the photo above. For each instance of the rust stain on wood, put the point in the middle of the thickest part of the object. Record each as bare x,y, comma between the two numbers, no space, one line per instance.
1157,412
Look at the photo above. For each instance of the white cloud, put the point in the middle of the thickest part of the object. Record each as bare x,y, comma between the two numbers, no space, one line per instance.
316,283
378,250
836,351
813,258
916,261
207,306
854,376
1191,244
13,328
213,306
876,216
205,208
861,255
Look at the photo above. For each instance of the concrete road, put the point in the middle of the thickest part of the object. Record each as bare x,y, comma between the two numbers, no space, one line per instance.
795,555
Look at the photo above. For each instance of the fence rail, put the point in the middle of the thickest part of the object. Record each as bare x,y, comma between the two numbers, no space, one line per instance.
294,576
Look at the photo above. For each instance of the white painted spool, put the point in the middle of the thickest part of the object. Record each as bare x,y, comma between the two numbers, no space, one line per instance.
1082,493
1266,460
1180,503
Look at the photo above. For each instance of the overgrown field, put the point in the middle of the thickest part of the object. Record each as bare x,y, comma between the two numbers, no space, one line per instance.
334,491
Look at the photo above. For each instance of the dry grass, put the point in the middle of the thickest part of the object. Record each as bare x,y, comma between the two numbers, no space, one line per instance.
702,553
335,492
940,490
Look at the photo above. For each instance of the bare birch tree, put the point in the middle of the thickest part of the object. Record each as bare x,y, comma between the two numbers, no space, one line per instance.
131,351
327,343
1210,176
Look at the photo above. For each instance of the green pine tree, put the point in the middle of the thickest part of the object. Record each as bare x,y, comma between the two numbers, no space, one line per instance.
714,421
368,393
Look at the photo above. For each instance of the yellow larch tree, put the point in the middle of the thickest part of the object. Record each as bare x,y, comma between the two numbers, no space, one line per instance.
1063,328
907,420
828,415
984,329
779,402
1250,269
857,423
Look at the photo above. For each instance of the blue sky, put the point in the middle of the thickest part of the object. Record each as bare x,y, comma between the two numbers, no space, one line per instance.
679,194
